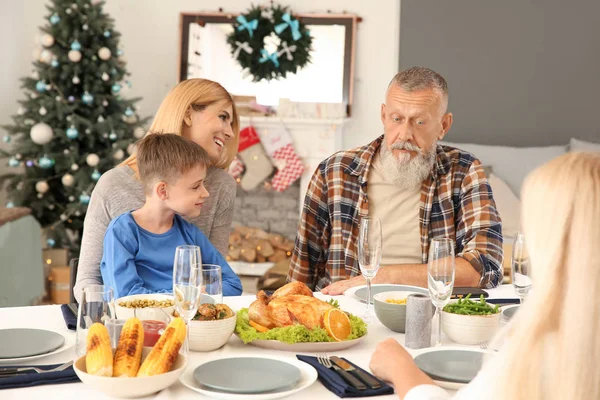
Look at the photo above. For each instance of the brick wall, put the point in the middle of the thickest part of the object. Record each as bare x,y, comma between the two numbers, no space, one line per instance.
269,210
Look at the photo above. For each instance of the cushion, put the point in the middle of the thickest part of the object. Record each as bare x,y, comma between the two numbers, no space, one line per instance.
508,205
581,145
511,164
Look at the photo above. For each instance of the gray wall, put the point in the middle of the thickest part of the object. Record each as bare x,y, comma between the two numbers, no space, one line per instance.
520,72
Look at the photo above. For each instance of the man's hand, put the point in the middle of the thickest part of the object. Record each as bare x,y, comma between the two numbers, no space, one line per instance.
340,287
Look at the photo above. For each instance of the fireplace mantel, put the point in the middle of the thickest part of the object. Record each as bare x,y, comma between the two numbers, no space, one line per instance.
315,139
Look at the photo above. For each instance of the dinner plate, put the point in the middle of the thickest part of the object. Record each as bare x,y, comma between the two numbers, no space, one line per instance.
360,292
509,312
308,375
451,364
28,342
68,343
307,347
252,375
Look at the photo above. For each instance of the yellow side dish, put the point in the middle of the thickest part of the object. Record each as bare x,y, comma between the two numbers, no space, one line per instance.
396,301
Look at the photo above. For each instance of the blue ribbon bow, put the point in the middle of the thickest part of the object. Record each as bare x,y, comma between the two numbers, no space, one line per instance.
245,24
274,57
293,24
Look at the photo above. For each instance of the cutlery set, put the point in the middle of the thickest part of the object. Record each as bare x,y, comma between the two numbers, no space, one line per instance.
12,371
359,379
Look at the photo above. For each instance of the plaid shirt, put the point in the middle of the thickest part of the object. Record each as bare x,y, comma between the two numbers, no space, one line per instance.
456,202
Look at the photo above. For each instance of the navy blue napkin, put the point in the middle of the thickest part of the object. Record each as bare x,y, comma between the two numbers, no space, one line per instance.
32,378
337,385
70,318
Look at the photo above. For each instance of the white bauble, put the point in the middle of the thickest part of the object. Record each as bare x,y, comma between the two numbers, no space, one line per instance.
119,154
21,111
92,160
131,148
46,56
47,40
42,187
139,132
43,111
41,133
63,217
74,167
68,180
76,80
105,76
74,56
104,53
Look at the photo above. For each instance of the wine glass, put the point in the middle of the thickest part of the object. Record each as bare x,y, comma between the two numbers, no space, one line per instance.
212,284
369,255
440,277
187,284
521,269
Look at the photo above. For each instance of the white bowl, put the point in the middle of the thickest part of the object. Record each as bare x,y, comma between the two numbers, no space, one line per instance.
391,315
211,335
131,387
470,329
151,313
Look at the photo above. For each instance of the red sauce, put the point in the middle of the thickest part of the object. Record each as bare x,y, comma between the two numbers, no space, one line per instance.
151,331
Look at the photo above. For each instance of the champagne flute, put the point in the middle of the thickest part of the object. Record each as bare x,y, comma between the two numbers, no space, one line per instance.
440,277
521,267
187,284
369,256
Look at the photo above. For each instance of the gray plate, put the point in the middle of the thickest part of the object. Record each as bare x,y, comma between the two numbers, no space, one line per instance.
18,343
459,366
509,312
362,292
247,375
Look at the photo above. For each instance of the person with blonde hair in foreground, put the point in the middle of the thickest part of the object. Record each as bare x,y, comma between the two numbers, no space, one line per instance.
551,347
199,110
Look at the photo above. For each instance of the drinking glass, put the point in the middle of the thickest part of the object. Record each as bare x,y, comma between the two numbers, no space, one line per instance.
521,267
440,277
212,284
97,305
187,284
369,256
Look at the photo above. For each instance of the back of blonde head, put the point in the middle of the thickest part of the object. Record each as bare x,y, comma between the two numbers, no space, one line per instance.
169,117
553,345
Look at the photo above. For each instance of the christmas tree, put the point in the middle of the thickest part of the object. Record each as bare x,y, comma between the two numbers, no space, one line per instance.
74,123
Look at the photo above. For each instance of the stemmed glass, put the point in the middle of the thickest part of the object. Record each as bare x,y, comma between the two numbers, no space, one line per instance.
440,277
97,305
187,284
521,267
369,256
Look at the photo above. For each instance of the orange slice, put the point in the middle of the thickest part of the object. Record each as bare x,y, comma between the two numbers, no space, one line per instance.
258,327
337,324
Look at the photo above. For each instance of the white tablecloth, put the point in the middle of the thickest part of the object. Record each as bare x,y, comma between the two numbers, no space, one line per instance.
50,317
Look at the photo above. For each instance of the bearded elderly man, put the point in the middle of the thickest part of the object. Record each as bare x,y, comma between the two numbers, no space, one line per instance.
419,190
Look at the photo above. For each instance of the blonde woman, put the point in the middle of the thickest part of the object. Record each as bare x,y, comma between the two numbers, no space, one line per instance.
202,111
552,345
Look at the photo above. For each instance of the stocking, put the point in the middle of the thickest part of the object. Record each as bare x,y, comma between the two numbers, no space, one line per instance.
252,154
279,147
236,168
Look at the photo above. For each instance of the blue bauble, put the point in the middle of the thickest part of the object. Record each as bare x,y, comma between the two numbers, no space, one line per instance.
54,63
45,162
76,45
112,136
96,175
51,242
10,204
54,19
84,199
13,162
40,86
116,88
106,34
72,132
6,139
119,52
87,98
129,112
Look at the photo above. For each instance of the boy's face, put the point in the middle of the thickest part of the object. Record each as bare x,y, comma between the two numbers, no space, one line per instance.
186,195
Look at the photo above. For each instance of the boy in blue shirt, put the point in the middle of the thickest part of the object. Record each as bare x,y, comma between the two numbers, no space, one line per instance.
139,246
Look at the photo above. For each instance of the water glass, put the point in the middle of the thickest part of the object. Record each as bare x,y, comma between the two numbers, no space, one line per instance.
440,277
97,305
521,267
369,256
212,284
187,284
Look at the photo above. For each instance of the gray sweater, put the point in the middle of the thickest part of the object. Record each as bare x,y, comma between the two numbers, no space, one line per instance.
118,191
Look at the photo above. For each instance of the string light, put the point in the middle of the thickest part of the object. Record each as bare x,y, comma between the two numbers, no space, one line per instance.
49,261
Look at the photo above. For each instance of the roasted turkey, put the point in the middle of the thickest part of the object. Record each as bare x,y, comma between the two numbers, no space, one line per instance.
291,304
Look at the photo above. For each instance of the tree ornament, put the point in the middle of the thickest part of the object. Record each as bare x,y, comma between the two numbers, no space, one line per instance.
71,99
18,156
84,198
78,213
96,175
74,56
41,133
105,103
131,148
40,86
40,196
139,132
10,204
75,80
54,19
58,98
29,163
100,118
68,11
63,217
105,76
119,154
42,187
88,131
116,88
67,180
54,63
72,132
128,111
66,152
104,53
51,242
112,136
106,34
43,111
13,162
71,198
50,206
92,160
47,40
29,121
84,27
45,162
75,45
74,167
87,98
21,111
6,139
120,52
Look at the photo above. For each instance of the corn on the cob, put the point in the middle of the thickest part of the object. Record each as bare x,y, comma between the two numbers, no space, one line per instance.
129,350
165,351
98,357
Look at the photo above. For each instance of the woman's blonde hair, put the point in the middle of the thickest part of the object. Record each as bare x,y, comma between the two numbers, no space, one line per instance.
553,346
197,92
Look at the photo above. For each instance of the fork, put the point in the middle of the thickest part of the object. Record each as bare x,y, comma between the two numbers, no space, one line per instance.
324,360
14,371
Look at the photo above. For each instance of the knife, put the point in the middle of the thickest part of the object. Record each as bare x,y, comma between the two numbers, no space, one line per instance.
362,375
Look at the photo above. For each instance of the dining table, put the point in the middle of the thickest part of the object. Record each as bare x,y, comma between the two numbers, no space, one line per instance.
50,317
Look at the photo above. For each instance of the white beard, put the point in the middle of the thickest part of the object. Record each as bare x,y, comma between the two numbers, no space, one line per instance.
406,172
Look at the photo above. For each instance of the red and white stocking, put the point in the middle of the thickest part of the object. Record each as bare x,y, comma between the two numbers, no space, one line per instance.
251,152
279,147
236,168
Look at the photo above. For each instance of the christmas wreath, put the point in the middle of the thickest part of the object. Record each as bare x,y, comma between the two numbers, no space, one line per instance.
270,42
